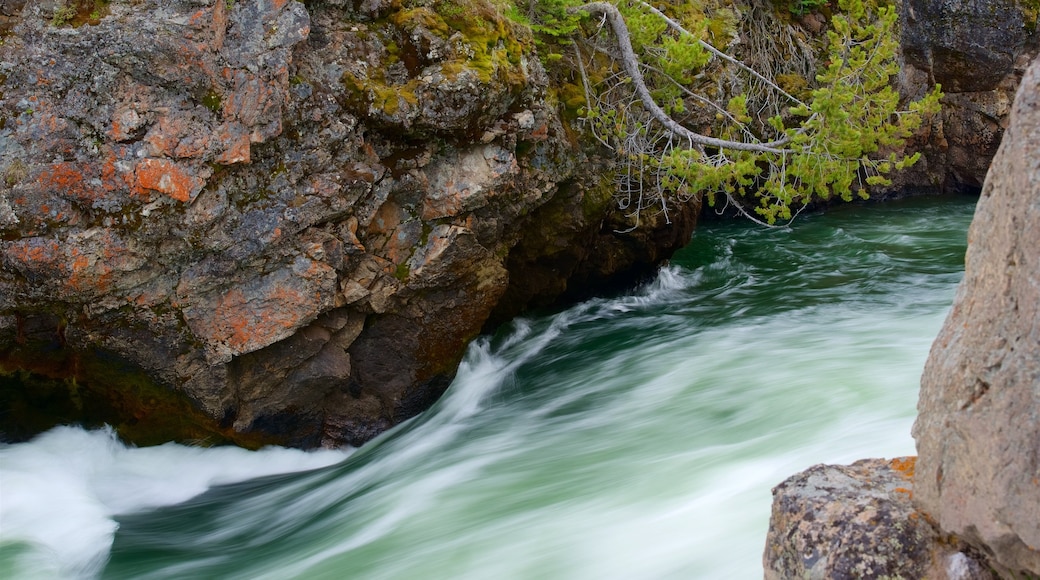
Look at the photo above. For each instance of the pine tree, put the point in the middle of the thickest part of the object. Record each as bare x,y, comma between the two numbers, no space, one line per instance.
766,151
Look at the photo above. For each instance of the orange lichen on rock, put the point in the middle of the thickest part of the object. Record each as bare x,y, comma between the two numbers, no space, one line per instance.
904,465
251,322
86,271
69,179
234,140
250,317
167,177
82,265
34,253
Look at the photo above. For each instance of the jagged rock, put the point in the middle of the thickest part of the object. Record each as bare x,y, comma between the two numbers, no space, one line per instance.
977,50
968,45
840,522
978,428
294,218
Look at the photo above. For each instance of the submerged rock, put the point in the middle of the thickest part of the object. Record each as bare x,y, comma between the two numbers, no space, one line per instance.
978,428
292,218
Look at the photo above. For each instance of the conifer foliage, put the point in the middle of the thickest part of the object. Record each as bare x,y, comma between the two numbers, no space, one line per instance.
689,119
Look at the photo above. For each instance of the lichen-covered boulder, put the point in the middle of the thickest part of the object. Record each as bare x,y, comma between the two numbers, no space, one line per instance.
978,425
263,222
845,522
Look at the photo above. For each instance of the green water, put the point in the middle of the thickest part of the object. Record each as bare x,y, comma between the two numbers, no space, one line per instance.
630,437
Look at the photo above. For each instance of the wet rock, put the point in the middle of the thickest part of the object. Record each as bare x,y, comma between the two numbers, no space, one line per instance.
978,428
294,218
857,521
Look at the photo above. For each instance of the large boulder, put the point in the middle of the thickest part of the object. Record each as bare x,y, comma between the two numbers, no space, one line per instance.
292,218
845,522
978,428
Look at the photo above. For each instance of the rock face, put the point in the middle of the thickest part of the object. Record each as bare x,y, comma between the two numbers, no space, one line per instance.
842,522
977,50
968,45
294,217
978,429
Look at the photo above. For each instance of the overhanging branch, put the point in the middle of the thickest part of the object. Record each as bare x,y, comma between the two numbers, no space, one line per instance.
630,63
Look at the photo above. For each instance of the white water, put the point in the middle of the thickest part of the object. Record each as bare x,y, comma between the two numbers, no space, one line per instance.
59,493
635,437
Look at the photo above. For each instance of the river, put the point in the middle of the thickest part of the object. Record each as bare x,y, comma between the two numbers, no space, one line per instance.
635,436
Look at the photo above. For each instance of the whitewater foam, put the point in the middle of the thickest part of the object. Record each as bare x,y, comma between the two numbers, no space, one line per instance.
59,493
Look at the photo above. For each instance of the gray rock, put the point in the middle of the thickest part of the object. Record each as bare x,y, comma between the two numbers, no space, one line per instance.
966,45
839,522
977,50
978,428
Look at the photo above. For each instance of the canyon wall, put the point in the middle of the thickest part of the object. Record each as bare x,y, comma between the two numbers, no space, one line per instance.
263,222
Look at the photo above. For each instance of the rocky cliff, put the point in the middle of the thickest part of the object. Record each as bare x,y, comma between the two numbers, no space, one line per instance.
264,221
261,221
977,51
975,486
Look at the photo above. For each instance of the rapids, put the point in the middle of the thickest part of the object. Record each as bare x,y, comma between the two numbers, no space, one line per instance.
634,436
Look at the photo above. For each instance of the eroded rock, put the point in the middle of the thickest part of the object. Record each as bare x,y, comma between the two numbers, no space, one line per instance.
295,218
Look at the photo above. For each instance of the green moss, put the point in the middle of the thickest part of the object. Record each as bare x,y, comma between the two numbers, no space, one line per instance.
1030,12
212,101
495,49
63,14
76,13
402,271
496,43
410,19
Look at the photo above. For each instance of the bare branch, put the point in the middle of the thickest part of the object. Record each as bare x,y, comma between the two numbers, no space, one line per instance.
630,62
706,46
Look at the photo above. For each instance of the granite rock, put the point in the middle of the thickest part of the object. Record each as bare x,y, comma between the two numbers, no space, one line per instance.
978,425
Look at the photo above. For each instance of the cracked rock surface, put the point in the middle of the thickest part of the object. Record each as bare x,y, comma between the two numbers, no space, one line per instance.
261,222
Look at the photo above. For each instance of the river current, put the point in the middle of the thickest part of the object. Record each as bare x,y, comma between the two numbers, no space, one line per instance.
635,436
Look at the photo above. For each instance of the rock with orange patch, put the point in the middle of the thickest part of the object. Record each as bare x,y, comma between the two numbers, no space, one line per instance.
261,311
857,521
89,263
69,179
252,242
170,178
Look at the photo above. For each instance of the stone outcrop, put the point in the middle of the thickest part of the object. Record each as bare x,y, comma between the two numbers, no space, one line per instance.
857,521
294,218
978,428
977,50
